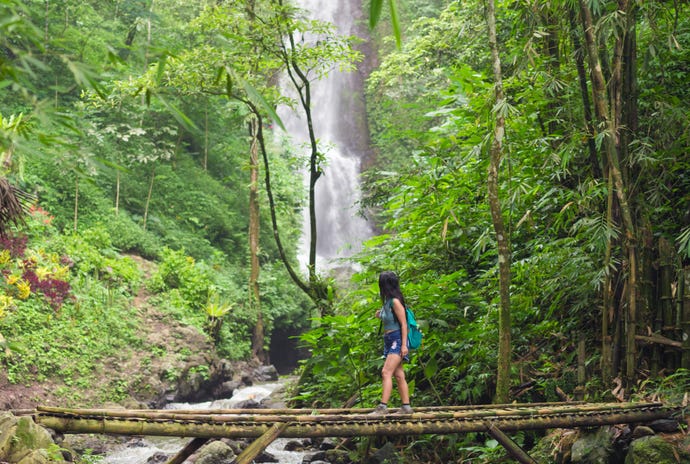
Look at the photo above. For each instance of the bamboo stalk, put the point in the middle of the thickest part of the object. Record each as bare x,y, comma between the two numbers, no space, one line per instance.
252,451
287,411
510,446
685,320
512,411
659,339
353,426
187,451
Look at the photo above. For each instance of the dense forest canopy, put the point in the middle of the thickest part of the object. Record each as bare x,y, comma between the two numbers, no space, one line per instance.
145,128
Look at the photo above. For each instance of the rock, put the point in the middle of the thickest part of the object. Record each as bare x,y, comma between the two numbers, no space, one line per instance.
642,431
265,457
555,447
249,404
387,454
592,448
36,457
215,452
338,456
328,444
158,458
318,456
650,449
295,445
265,373
226,389
21,440
665,426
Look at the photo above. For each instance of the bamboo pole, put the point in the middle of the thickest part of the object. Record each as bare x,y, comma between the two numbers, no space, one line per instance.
305,416
286,411
666,254
685,320
252,451
187,451
660,340
360,425
510,446
296,411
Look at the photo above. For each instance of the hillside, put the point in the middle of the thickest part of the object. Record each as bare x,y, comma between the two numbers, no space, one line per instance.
134,377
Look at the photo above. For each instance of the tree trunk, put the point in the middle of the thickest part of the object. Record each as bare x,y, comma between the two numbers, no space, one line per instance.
667,326
148,196
504,258
76,203
254,227
117,193
685,319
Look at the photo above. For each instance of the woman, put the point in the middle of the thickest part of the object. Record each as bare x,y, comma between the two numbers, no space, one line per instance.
395,349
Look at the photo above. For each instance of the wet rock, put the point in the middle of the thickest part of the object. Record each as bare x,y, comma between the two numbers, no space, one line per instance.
295,445
226,389
249,404
265,457
328,444
215,452
265,373
318,456
157,458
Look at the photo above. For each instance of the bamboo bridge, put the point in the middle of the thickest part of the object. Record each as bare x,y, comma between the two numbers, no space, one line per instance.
265,425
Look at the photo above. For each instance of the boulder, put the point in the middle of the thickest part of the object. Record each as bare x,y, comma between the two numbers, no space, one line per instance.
593,448
216,452
22,441
387,454
650,449
555,447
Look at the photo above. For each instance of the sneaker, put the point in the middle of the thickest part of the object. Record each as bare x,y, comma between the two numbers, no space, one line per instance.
380,409
405,409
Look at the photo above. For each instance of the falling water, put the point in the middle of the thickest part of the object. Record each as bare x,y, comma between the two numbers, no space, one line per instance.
141,450
340,125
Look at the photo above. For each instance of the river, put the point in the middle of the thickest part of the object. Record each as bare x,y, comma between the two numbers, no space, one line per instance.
139,451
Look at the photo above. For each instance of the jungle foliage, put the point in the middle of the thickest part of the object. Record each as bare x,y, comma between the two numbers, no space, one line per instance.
115,166
128,122
578,265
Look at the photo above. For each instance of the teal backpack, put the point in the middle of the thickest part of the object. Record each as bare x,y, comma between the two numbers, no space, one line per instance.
414,335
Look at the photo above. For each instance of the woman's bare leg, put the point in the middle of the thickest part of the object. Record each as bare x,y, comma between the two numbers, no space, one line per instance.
390,367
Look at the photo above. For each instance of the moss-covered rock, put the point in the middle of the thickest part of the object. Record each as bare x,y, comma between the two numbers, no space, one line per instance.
22,441
554,448
650,449
593,448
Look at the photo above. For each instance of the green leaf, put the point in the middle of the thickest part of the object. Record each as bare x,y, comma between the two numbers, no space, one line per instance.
375,12
257,98
396,23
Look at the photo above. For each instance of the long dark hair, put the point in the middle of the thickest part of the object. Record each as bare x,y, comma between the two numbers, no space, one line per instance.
389,287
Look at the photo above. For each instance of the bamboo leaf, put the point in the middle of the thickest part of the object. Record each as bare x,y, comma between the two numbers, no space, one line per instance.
375,12
396,23
257,98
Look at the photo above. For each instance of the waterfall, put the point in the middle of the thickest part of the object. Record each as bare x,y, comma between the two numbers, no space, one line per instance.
340,125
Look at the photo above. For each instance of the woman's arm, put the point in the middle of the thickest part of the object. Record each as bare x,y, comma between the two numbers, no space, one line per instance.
402,318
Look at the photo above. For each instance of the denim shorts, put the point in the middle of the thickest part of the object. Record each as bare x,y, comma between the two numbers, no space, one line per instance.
392,341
